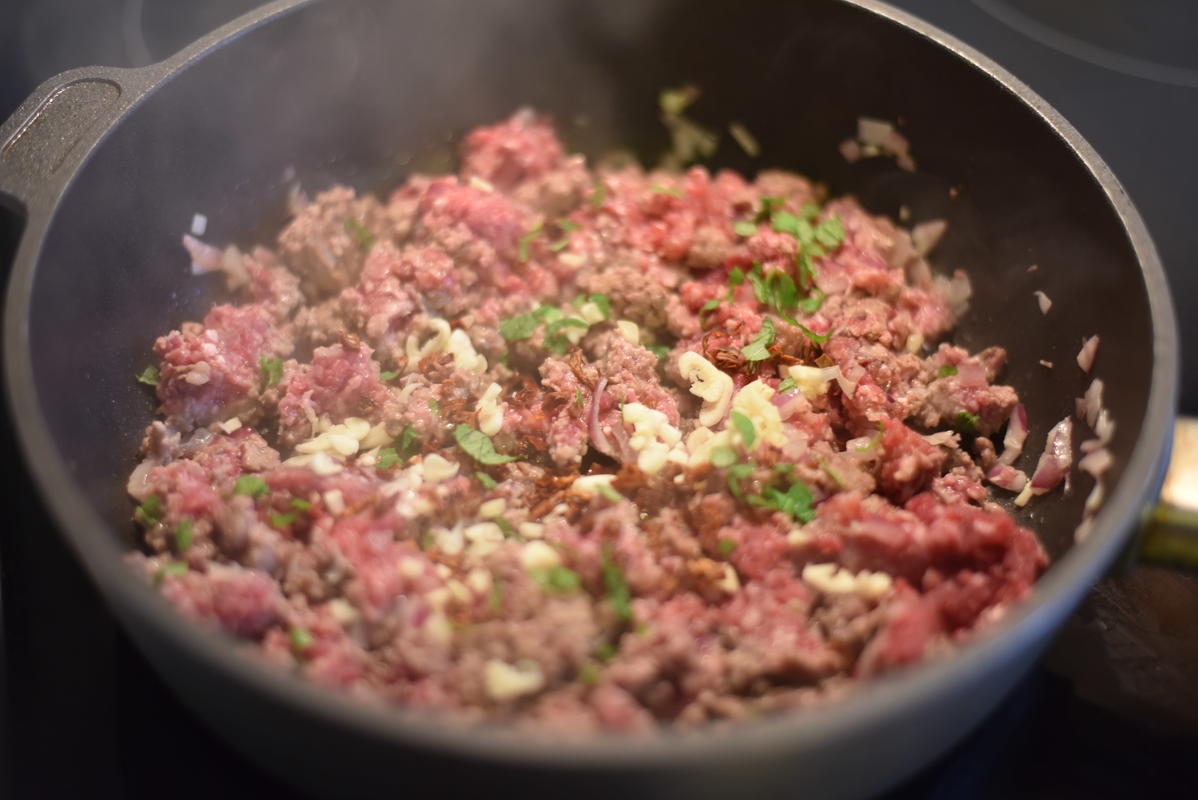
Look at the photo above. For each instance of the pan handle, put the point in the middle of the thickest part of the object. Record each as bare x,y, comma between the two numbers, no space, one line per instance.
49,135
1170,533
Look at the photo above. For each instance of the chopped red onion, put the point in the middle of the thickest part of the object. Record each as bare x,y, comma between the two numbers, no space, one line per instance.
1090,445
1091,402
851,150
1012,442
1007,477
1096,462
1046,364
926,235
1094,499
971,374
1085,356
874,131
945,438
597,435
1054,463
1044,301
1105,426
204,257
956,291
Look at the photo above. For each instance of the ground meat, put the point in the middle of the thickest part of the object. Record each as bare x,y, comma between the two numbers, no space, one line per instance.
582,450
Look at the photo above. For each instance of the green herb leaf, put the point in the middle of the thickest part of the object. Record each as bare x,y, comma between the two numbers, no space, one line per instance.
605,652
814,337
387,458
608,492
675,101
149,376
547,313
434,406
567,225
300,504
710,305
506,528
736,474
427,540
758,349
559,245
251,485
271,370
183,536
785,222
578,397
173,569
389,375
947,371
736,277
768,206
486,480
603,303
744,426
787,384
744,228
359,232
519,327
301,639
478,446
658,189
809,211
617,588
812,303
589,674
496,600
149,513
526,240
865,448
556,580
408,443
830,233
599,195
282,520
659,350
833,474
726,546
796,501
966,422
723,456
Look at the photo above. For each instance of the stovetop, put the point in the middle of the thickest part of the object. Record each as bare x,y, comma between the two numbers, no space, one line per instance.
1111,712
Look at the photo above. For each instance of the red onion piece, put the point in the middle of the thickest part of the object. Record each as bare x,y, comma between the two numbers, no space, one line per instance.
1056,459
1090,445
942,438
1012,442
1097,462
597,435
1044,301
1094,500
851,150
1091,402
971,375
1105,426
926,235
1085,356
204,257
1007,477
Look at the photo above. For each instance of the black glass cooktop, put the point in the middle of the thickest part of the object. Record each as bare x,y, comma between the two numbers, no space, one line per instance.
1112,712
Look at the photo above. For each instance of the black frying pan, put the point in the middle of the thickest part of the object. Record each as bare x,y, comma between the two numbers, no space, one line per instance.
105,168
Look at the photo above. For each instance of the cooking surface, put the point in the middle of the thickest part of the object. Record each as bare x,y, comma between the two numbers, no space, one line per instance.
1114,710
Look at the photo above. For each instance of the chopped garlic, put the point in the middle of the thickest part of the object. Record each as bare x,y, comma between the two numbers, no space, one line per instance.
708,383
459,592
410,568
571,260
343,611
377,436
539,555
702,441
914,342
449,542
754,401
323,464
437,344
436,468
230,425
831,579
479,581
463,352
343,445
438,627
591,314
730,583
629,330
490,411
797,538
588,485
654,439
812,381
334,501
484,538
505,681
531,530
492,508
481,184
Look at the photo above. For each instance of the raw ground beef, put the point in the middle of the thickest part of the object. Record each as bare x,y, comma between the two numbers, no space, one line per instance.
582,449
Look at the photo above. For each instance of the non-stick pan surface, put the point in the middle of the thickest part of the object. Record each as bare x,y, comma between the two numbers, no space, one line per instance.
105,168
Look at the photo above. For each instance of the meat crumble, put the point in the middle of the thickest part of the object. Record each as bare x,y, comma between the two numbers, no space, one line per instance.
581,449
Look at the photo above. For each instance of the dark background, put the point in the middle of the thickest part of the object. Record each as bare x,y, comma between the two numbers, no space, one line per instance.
1112,713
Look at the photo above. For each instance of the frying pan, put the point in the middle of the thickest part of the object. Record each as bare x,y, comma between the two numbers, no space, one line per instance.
104,168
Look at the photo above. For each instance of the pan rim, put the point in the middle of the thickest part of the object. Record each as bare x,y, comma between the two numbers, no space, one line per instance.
873,703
